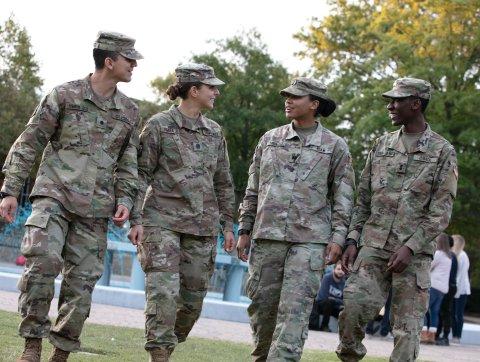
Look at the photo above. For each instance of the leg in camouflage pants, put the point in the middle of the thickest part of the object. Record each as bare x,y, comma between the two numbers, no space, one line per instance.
178,268
57,241
365,293
284,279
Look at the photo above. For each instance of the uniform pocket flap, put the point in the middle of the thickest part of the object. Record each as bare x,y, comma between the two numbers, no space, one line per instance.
423,280
38,219
151,308
316,259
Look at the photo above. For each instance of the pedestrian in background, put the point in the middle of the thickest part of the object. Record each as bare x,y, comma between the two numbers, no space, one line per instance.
439,274
463,287
446,310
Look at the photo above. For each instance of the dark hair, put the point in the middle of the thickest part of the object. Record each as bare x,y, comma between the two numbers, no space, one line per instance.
450,241
99,56
181,89
442,244
321,105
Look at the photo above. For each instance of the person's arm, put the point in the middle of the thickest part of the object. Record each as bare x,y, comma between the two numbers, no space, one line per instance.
148,153
362,211
33,140
224,190
342,184
126,172
441,203
248,207
324,292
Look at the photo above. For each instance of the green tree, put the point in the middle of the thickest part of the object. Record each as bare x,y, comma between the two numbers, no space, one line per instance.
19,82
249,103
362,46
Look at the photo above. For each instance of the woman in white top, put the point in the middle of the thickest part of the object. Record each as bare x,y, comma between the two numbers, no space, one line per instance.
439,275
463,287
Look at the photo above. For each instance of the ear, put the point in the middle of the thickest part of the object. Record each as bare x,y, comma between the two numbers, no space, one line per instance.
416,104
193,91
315,104
109,63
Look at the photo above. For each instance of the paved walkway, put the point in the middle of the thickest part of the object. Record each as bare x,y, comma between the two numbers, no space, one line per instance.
240,332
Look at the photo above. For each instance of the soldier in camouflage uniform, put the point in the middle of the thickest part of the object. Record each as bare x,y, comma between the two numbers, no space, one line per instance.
88,173
296,209
185,190
405,199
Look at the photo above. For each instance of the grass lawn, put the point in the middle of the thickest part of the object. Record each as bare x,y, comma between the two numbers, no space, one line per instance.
106,343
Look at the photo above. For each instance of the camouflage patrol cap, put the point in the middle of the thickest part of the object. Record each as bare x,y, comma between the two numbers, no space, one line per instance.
194,72
303,86
409,87
116,42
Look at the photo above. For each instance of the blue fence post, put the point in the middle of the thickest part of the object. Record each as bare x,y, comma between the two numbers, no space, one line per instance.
233,283
137,277
107,269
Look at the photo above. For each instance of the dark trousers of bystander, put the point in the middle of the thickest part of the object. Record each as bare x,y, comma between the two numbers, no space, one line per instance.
459,308
446,314
325,308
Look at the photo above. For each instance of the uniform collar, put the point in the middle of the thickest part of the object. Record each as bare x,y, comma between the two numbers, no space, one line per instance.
178,118
422,143
89,94
315,139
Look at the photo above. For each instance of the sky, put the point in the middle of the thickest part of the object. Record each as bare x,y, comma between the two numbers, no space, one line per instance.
168,33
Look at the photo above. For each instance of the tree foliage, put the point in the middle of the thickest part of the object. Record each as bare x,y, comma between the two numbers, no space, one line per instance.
249,103
19,82
362,46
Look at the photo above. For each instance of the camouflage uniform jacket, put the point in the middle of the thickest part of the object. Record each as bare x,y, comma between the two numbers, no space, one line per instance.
405,198
184,185
299,193
89,160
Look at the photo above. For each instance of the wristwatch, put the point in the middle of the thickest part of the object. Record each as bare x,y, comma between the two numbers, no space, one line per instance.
349,242
243,232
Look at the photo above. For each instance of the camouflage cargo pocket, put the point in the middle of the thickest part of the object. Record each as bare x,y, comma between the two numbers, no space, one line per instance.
35,241
159,251
253,281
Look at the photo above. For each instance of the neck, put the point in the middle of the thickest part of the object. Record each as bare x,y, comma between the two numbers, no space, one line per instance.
416,125
337,279
189,108
304,122
102,83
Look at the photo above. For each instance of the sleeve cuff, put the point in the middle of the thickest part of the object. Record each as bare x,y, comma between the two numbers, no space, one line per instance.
245,226
337,239
15,192
354,234
125,201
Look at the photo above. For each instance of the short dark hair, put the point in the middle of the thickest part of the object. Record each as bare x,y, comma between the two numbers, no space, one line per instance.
321,105
99,56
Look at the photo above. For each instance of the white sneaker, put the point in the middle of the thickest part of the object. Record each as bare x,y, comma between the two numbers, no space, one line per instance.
455,340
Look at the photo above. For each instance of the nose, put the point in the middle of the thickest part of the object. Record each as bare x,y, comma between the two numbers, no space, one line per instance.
134,63
390,105
217,92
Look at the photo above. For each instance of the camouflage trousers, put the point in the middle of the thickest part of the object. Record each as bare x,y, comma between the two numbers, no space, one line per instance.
58,241
365,293
283,281
177,270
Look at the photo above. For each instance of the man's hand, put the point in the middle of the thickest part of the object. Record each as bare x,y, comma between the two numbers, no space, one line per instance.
136,234
400,259
348,258
228,241
333,252
8,208
121,215
243,247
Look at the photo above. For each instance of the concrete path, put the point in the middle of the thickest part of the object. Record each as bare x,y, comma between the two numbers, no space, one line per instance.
240,332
